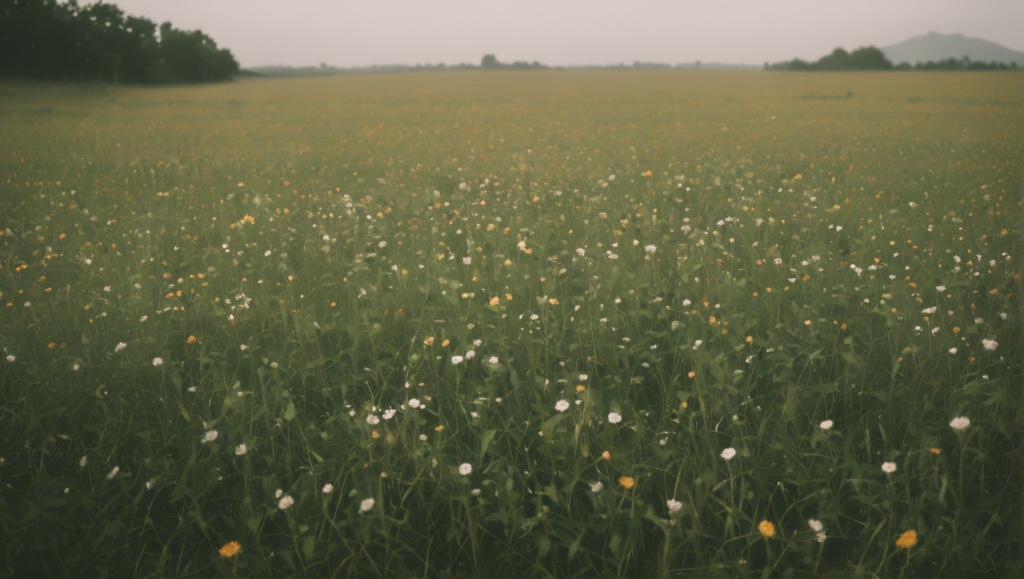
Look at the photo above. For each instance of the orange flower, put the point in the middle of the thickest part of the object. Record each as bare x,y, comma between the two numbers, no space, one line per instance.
606,455
495,301
230,549
935,450
907,540
767,529
191,340
627,482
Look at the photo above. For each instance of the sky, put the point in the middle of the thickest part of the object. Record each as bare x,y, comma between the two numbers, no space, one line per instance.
347,33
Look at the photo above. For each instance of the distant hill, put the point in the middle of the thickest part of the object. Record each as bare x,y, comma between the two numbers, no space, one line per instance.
935,47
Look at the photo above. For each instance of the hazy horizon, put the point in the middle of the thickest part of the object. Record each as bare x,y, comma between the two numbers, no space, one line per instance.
570,32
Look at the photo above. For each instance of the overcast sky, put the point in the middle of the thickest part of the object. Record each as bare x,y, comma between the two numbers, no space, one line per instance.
571,32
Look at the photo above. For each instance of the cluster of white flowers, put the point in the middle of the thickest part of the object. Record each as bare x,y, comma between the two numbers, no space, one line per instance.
729,453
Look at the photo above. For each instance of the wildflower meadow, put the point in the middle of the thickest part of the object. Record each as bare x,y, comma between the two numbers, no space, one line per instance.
540,323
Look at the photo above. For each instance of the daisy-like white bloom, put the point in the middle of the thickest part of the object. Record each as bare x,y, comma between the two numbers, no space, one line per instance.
467,260
562,405
697,344
11,358
84,461
471,354
456,360
210,436
729,453
815,525
285,502
596,487
825,424
674,505
372,420
414,403
113,472
614,417
158,361
990,345
493,360
960,423
650,248
465,469
241,449
366,506
389,413
888,467
120,346
328,489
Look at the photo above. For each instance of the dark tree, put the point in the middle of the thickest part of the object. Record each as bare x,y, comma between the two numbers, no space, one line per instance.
489,61
45,39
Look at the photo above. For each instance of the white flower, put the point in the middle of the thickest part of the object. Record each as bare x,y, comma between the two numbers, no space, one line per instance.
821,536
614,417
465,469
372,420
815,525
120,346
278,493
674,505
285,502
493,360
210,436
596,487
990,345
697,343
888,467
414,403
960,423
467,260
366,505
825,424
113,472
470,354
389,413
158,361
650,248
243,347
456,360
241,449
11,358
475,492
562,405
729,453
328,489
84,461
952,350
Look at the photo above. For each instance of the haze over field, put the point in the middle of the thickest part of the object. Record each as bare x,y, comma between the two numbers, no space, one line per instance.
571,32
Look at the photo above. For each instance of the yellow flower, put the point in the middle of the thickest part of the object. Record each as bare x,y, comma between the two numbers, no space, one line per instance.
495,301
627,482
230,549
767,529
907,540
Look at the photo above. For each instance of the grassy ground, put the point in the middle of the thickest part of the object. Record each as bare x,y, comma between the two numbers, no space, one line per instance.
518,323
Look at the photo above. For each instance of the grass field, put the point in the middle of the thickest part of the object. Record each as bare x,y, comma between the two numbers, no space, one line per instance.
568,324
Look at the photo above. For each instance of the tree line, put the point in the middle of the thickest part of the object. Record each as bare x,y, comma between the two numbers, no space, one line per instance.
49,40
871,58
